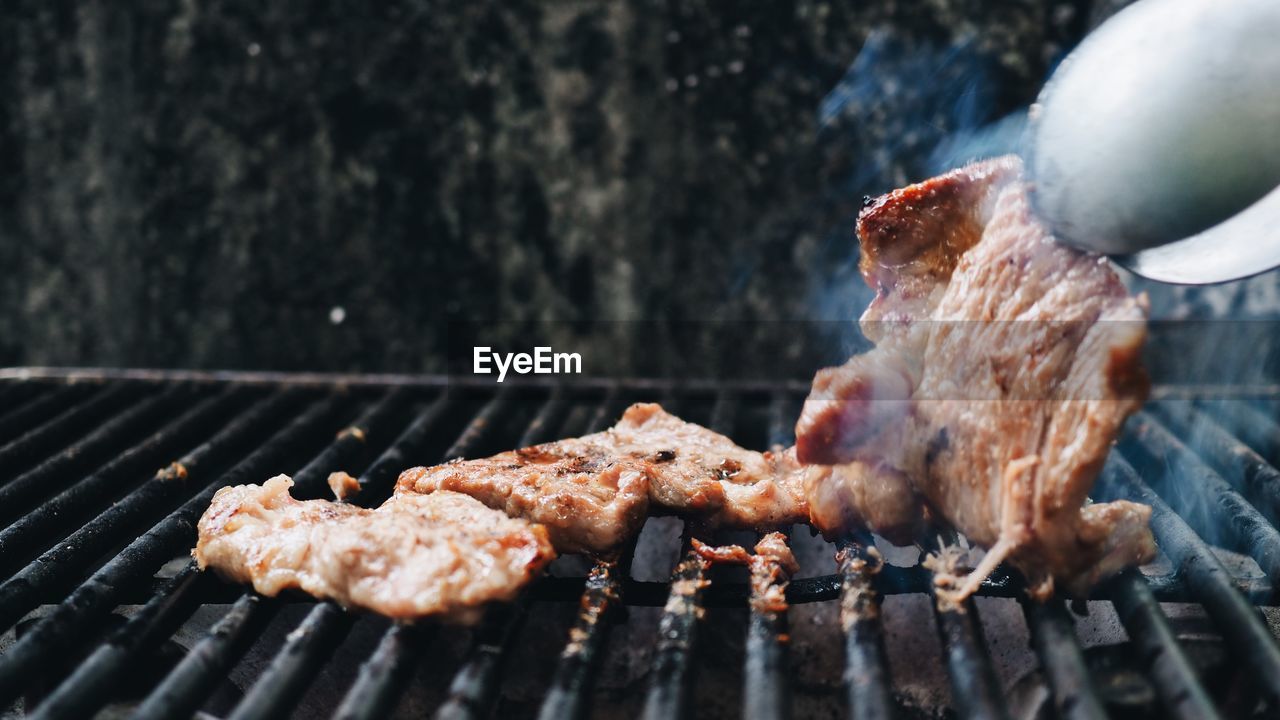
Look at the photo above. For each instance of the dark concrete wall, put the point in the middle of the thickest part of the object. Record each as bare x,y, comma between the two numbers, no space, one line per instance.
202,184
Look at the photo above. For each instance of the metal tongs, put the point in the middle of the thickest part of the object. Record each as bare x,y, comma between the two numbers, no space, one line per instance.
1157,141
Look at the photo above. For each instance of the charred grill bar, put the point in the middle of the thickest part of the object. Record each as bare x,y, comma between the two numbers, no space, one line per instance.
866,671
601,594
1210,583
471,691
379,688
84,527
324,627
575,673
976,692
766,672
383,675
1074,697
25,408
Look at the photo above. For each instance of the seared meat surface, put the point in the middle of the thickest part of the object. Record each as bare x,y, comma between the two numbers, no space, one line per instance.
443,554
866,495
589,498
771,567
594,492
700,473
1005,365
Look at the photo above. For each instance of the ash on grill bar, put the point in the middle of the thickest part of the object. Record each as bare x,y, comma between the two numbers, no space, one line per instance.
105,610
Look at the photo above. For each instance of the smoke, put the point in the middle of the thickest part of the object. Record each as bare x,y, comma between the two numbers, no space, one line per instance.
1231,441
909,108
906,108
905,105
1006,136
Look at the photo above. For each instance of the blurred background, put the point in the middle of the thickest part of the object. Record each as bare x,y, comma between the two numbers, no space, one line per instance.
344,186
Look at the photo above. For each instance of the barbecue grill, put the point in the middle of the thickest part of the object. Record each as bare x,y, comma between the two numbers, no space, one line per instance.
106,472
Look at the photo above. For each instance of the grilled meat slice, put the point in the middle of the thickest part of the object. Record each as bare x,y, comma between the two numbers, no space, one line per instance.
771,567
1005,365
866,495
443,554
589,497
594,492
700,473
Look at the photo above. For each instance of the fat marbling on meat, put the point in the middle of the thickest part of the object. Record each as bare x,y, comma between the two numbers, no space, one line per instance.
1005,366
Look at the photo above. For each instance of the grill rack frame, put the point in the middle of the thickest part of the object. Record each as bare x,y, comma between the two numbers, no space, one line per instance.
66,403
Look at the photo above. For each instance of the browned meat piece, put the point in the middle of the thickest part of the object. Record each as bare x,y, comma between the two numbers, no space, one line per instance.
589,496
442,554
771,568
1004,368
343,485
866,495
594,492
699,472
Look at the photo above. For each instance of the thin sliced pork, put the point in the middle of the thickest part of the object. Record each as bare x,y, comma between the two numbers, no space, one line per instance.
1005,366
443,554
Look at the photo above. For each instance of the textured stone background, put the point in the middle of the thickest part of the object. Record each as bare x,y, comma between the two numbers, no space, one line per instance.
327,187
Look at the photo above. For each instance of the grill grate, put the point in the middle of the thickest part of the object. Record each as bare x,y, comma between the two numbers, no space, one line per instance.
83,530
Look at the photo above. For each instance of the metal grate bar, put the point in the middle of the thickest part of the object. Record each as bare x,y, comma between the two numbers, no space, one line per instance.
1256,428
184,688
1181,444
1250,640
384,674
601,596
294,666
379,690
781,420
579,661
93,681
15,395
866,673
1245,469
1054,638
540,428
54,517
56,472
75,617
349,446
1175,681
38,409
767,693
40,441
23,591
471,694
673,659
766,680
479,427
975,691
377,481
308,646
472,691
181,692
378,684
1164,459
671,674
891,580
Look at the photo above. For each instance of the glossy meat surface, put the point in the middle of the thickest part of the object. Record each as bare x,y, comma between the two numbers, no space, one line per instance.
1005,366
594,492
443,554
